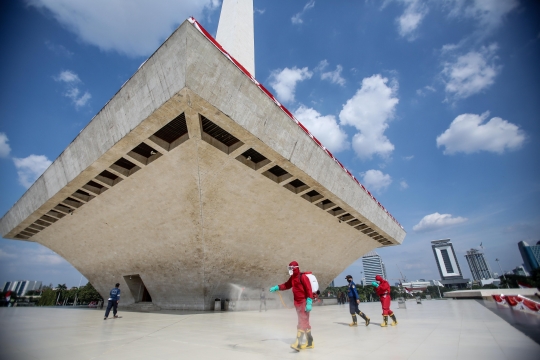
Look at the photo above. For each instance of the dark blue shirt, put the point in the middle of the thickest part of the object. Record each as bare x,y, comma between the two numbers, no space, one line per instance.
352,293
114,294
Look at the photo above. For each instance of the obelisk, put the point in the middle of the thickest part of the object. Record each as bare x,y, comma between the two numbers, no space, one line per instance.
235,32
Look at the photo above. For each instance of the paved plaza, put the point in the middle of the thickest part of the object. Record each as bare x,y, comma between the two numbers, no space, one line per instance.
450,329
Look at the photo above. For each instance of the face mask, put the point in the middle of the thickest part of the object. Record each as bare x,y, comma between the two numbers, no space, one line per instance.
349,280
291,269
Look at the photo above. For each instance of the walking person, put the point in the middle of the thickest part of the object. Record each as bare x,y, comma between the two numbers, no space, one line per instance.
383,290
303,299
263,300
114,298
354,301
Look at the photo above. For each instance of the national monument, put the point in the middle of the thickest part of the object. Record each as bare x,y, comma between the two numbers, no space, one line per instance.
193,177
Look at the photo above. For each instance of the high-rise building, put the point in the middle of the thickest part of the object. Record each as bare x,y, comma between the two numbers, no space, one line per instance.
21,287
445,256
373,266
480,269
530,255
520,270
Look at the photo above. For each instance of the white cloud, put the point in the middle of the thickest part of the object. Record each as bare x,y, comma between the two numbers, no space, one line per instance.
82,100
334,76
325,128
424,91
131,27
72,92
376,181
284,82
472,72
403,185
489,14
410,157
408,22
369,111
5,149
30,168
468,134
437,221
58,49
68,76
5,255
297,19
259,11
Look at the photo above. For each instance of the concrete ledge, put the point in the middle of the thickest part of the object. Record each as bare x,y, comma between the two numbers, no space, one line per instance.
488,293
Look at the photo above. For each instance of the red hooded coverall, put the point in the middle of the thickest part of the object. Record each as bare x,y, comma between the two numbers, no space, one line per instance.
383,290
300,293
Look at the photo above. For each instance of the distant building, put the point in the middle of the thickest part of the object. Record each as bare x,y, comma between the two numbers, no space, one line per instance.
21,287
520,270
448,265
479,266
530,255
373,266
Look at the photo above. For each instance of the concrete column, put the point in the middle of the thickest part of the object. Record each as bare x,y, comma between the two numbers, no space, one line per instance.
235,32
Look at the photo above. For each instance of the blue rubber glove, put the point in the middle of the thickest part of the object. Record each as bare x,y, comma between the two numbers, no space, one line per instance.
274,288
374,283
308,304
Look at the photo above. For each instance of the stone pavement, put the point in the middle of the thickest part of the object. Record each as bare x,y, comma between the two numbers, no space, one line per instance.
450,329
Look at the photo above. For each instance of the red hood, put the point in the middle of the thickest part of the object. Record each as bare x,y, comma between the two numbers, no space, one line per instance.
296,270
379,278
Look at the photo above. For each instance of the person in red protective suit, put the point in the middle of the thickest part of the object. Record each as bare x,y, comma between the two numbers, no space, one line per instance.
303,299
383,290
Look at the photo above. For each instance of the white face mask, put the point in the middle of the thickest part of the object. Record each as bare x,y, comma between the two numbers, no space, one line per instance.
291,269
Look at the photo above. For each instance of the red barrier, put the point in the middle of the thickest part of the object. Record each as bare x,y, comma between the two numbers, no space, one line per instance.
514,300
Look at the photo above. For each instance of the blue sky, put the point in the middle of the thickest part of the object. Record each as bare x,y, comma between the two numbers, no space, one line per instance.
433,105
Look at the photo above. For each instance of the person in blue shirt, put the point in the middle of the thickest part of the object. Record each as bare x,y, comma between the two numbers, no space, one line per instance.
354,301
114,298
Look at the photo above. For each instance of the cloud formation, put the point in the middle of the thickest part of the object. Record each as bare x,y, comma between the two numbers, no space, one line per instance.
471,73
488,14
436,221
410,20
284,82
325,128
30,168
71,79
369,111
376,181
130,27
297,19
333,76
468,134
5,149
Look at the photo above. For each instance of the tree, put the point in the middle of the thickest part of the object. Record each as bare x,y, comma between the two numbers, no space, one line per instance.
48,297
88,294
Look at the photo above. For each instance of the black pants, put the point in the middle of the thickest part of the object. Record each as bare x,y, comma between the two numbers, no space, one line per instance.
112,304
353,307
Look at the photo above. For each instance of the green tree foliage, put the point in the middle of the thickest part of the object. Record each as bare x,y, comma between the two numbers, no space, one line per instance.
88,294
512,280
48,297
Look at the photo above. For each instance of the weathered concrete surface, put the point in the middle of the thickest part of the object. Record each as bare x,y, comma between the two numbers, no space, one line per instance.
196,220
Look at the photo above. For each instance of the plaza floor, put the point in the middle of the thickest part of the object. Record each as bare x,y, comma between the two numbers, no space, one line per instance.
461,329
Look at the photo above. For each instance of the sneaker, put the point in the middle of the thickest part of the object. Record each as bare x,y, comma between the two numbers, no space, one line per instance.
104,318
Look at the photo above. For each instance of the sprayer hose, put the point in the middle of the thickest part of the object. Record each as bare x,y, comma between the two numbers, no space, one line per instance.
283,302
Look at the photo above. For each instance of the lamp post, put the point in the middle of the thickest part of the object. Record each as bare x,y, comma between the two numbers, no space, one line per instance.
502,272
362,279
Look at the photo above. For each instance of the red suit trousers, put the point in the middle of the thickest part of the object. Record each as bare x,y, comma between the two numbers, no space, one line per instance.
303,317
385,302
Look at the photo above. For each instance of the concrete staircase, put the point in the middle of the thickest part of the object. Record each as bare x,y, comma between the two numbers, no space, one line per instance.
144,306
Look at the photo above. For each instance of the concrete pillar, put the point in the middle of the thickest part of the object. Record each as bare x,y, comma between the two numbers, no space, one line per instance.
235,32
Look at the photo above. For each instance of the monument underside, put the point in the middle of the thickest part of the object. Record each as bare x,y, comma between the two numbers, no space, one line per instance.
191,179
